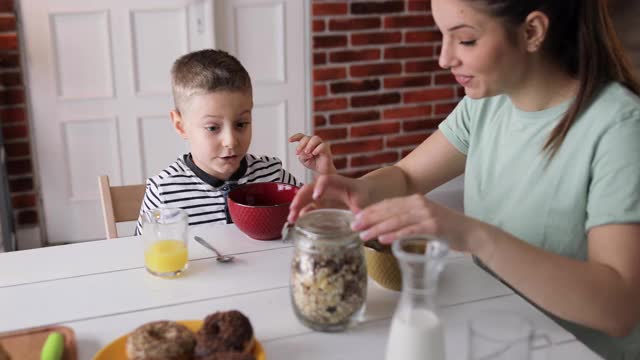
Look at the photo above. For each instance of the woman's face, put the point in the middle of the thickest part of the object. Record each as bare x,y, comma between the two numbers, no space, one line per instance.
477,49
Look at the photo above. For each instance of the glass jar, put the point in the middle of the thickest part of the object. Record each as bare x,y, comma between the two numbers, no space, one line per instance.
164,233
328,270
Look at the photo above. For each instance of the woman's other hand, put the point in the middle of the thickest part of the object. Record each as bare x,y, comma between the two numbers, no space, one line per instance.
329,191
391,219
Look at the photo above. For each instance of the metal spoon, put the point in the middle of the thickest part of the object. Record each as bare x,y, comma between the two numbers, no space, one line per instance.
221,258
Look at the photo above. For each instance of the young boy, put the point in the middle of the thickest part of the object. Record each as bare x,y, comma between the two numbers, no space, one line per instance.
213,102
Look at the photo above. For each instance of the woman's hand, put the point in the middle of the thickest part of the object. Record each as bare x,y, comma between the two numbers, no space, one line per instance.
329,191
397,217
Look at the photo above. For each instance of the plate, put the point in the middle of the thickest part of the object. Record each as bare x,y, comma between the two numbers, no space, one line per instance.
116,350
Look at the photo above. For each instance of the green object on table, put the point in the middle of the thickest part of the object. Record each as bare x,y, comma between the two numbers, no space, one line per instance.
53,347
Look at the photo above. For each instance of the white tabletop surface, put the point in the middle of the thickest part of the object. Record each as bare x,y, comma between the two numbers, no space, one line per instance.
101,290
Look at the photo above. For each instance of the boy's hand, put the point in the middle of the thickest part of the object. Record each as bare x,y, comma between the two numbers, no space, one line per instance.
314,154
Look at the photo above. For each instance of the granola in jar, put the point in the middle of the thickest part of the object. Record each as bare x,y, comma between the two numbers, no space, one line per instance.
328,271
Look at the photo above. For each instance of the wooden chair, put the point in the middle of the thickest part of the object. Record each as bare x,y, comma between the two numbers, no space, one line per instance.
119,203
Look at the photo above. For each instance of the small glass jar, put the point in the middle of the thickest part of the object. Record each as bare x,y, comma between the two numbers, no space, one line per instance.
328,270
164,233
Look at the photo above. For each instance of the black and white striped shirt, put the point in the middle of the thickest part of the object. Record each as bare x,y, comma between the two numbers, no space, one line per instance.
203,196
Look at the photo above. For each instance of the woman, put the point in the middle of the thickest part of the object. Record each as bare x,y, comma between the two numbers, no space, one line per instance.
548,137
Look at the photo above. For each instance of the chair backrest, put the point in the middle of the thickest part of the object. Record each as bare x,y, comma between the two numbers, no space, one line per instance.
119,203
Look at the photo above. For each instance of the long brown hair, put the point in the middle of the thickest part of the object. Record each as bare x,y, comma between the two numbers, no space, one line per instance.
582,40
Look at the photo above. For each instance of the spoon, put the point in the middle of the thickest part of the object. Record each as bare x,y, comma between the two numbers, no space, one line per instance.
221,258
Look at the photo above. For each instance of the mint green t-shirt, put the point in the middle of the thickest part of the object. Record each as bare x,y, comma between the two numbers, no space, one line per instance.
594,179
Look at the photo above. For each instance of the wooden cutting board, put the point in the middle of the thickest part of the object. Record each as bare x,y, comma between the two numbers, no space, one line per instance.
27,344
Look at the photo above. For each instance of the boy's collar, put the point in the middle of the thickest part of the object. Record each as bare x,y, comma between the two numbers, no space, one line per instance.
212,180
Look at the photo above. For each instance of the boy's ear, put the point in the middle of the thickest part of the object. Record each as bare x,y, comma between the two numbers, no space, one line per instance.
178,123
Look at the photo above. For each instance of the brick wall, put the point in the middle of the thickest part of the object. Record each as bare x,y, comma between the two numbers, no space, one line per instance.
13,117
377,88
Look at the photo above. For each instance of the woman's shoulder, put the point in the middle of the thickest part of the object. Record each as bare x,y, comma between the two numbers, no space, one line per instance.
614,111
616,102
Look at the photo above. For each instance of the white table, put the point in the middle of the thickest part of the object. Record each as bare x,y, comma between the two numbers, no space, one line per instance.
102,291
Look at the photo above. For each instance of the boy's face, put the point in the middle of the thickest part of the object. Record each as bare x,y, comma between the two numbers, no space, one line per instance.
218,128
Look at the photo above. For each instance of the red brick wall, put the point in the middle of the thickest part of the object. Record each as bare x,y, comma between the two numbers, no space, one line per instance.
377,88
13,118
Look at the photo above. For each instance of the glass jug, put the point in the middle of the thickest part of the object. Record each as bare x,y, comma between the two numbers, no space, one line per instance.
416,330
328,271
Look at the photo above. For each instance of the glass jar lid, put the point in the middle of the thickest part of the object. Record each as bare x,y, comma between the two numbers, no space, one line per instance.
327,227
326,222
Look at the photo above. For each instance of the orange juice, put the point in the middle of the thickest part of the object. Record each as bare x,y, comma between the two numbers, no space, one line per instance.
166,256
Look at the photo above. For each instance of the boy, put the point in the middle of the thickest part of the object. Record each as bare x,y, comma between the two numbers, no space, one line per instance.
213,102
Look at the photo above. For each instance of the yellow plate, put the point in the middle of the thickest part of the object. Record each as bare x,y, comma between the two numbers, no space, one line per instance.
116,350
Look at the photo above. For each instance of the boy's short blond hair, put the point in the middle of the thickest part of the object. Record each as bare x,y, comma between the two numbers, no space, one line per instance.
205,71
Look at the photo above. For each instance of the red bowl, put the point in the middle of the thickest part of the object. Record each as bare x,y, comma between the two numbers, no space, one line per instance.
261,209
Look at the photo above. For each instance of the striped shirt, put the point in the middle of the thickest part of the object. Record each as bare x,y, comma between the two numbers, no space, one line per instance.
202,196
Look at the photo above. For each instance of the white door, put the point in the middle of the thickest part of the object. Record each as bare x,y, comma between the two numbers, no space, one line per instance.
99,87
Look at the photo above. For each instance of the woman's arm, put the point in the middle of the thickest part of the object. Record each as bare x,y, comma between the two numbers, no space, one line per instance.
602,292
430,165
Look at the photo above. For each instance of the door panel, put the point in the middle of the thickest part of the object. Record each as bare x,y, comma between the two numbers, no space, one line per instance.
270,130
101,137
158,143
259,40
82,35
159,37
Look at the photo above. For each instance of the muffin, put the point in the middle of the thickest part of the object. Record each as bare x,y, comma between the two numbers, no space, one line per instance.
229,356
161,340
3,354
224,331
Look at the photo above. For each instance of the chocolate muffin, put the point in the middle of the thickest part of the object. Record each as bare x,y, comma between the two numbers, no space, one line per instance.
161,340
224,331
229,356
3,354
